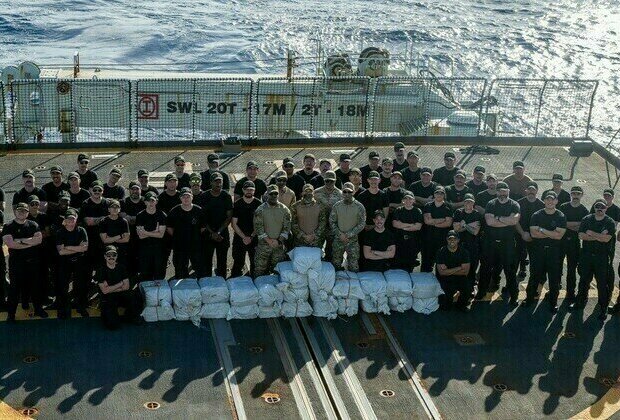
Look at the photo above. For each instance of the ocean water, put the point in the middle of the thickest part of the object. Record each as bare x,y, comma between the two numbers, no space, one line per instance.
560,39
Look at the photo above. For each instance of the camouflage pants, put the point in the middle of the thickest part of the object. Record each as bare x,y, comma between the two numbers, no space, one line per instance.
352,248
266,258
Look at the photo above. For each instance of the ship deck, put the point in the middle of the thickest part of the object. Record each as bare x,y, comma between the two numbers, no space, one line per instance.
493,362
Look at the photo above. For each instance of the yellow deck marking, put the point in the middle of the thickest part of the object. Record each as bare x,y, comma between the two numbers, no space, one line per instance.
603,408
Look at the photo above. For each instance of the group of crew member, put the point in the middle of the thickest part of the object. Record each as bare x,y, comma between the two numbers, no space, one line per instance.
390,213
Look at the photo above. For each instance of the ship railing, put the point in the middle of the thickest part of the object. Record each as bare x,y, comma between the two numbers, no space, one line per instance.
41,113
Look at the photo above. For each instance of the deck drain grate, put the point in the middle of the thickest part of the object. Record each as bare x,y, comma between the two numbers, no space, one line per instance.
145,354
30,359
29,411
152,405
608,382
485,159
362,344
255,349
119,166
387,393
582,181
39,168
468,339
196,165
271,398
500,387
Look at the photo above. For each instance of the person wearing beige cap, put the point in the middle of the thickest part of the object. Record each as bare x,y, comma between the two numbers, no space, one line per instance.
346,221
286,195
328,195
308,220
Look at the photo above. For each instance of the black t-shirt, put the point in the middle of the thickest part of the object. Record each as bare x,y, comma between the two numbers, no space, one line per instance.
595,247
22,231
444,176
216,209
22,195
573,214
167,202
183,181
549,222
111,275
42,219
357,193
306,177
200,199
295,183
483,198
379,241
373,202
186,225
421,191
149,188
399,166
244,213
259,184
78,198
476,189
205,185
452,259
365,170
130,208
394,196
342,176
612,211
563,196
527,209
1,195
87,179
410,176
384,182
474,216
414,215
496,208
92,209
71,238
117,192
437,212
57,216
456,196
150,222
52,191
114,227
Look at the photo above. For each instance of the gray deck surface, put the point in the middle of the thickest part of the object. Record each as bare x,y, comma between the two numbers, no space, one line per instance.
85,372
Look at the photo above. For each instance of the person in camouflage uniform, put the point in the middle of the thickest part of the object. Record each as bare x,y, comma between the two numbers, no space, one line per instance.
272,223
347,219
308,219
328,195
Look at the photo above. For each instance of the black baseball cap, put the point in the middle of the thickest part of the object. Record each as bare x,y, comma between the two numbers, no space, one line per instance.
83,157
21,206
452,234
73,175
469,197
114,203
179,158
288,161
170,177
480,169
71,213
550,194
557,177
33,199
115,171
150,196
186,190
399,145
460,173
517,164
532,185
97,183
345,157
251,164
412,153
608,191
600,203
449,155
212,157
64,195
143,172
56,168
408,194
397,173
216,175
576,188
426,170
27,173
309,156
502,186
248,184
134,184
378,213
373,174
373,155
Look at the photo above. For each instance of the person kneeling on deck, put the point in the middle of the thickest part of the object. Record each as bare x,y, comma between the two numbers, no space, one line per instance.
452,269
272,223
379,245
113,282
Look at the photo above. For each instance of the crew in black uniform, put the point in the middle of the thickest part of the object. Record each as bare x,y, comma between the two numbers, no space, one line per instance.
293,181
54,187
563,196
528,205
467,223
445,175
130,207
112,189
344,168
185,224
166,201
411,173
424,189
45,252
452,268
213,161
179,171
612,211
501,215
547,227
116,292
22,236
483,198
374,164
438,222
476,184
217,213
379,245
3,283
244,240
372,199
306,173
151,227
386,173
407,221
143,179
87,176
72,245
455,193
78,192
251,171
574,212
92,212
597,232
395,193
114,230
29,189
400,162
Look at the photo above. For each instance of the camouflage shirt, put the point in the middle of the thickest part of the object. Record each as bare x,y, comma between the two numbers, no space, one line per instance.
349,219
272,221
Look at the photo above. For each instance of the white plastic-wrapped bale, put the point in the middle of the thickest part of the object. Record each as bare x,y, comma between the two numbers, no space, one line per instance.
164,312
305,258
348,307
270,297
215,310
324,308
400,304
398,283
156,292
375,287
425,305
321,282
425,286
243,292
348,292
214,290
288,275
243,312
297,309
186,299
293,294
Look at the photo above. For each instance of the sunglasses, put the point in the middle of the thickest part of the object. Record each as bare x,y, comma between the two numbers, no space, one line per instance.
84,162
180,164
281,180
97,190
110,256
34,204
329,180
273,193
195,181
347,192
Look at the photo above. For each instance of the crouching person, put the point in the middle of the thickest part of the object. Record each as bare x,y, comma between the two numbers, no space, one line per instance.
452,268
113,282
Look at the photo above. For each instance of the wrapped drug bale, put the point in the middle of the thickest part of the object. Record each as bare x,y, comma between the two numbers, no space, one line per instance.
400,304
218,310
375,288
164,312
305,258
243,298
348,292
270,297
289,275
324,307
321,282
293,294
425,286
399,290
214,290
297,309
156,292
186,300
425,306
